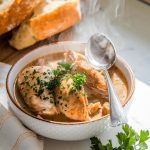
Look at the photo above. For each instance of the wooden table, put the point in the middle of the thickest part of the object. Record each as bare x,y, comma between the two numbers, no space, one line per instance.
10,55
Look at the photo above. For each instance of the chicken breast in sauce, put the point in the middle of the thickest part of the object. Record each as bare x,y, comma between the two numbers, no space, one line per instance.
73,104
72,101
96,83
31,85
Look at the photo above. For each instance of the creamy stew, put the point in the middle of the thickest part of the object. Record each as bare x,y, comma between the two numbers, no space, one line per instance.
63,87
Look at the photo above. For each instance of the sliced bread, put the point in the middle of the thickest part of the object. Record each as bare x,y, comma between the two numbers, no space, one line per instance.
50,18
13,12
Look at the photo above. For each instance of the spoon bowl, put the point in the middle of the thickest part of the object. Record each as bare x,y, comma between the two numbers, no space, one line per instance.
101,54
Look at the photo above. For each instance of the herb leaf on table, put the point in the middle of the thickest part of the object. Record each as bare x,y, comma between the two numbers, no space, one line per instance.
128,139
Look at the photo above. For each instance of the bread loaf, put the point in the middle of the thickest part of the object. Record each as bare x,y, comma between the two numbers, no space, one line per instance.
50,18
13,12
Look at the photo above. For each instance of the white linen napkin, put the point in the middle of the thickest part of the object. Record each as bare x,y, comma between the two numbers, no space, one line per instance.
13,135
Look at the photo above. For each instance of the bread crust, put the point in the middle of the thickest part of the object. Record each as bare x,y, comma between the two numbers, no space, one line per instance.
45,25
16,13
57,21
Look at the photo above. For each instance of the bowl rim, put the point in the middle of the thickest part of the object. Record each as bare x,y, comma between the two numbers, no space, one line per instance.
69,123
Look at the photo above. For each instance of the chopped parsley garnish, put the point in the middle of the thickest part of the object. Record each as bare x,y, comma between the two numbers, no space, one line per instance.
45,98
22,83
49,71
52,84
62,69
65,65
34,71
46,77
38,80
40,91
56,77
33,77
25,77
28,83
57,72
79,81
25,94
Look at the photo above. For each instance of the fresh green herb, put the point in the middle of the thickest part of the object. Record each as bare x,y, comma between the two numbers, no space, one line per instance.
65,65
62,69
57,75
58,72
84,94
45,98
129,139
40,91
67,76
34,37
49,71
52,84
46,77
22,83
79,80
28,83
25,94
34,71
25,78
38,80
33,77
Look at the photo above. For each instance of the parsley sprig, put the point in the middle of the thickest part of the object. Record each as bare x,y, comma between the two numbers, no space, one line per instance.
129,139
61,72
79,80
62,69
67,66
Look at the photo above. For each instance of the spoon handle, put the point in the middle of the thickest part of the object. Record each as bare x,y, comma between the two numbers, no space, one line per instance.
117,114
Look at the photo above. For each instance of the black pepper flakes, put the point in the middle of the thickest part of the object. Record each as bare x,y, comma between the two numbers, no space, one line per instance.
59,97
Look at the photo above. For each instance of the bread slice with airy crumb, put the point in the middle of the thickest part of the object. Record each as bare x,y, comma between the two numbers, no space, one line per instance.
50,18
13,12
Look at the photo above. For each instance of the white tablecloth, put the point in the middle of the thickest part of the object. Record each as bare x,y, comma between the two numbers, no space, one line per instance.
138,116
13,135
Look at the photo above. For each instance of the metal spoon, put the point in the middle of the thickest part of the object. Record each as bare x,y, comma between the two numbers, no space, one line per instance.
101,54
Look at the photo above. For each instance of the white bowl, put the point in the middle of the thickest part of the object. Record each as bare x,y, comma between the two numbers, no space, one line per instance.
60,130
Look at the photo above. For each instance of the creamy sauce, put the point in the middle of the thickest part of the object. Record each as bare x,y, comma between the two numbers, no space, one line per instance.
118,79
120,83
